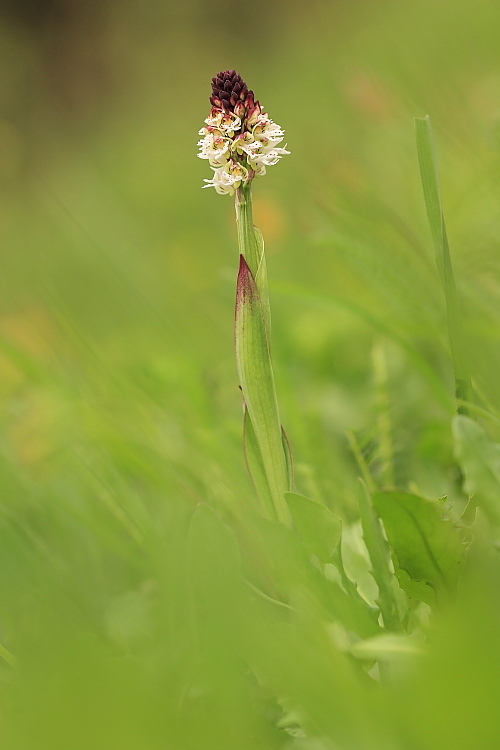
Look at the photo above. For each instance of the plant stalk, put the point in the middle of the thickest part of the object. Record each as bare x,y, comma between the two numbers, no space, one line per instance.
263,436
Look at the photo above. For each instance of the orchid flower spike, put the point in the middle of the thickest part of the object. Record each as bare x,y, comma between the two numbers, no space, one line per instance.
239,139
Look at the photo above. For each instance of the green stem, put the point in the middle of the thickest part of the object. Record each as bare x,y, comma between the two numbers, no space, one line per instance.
247,241
266,457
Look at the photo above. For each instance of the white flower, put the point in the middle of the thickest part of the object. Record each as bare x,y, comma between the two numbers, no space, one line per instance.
238,146
259,161
244,143
228,122
215,148
226,179
268,133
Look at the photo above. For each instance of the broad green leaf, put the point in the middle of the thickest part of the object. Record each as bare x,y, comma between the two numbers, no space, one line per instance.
428,547
479,459
255,372
379,553
432,196
318,527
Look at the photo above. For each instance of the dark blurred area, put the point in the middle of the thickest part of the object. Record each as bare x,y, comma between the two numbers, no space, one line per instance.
66,61
68,52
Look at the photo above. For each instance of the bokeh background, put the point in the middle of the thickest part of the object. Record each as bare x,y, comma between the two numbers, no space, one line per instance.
120,410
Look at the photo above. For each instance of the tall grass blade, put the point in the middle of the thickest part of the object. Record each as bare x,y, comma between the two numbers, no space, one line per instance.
432,196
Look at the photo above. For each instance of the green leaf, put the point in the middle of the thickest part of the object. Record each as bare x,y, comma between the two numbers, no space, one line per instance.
479,459
261,280
428,547
430,185
288,459
255,372
432,196
285,560
317,526
379,553
256,468
418,590
386,647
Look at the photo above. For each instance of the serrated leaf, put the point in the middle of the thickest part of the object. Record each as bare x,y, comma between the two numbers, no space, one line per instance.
317,526
418,590
428,547
255,372
479,459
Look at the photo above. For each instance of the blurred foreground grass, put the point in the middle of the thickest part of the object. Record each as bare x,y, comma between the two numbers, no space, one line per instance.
126,613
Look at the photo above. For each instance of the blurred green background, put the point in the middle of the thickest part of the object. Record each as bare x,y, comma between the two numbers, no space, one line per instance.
120,406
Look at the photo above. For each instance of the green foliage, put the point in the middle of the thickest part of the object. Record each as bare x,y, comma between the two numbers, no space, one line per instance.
317,526
479,459
145,602
428,546
379,554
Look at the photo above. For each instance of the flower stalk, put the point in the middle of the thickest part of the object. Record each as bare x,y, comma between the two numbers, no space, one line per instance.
247,238
240,141
265,450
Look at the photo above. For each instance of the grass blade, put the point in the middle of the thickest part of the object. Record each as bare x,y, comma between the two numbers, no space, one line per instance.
432,196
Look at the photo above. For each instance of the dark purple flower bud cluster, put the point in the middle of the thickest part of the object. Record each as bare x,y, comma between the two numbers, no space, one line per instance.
230,93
